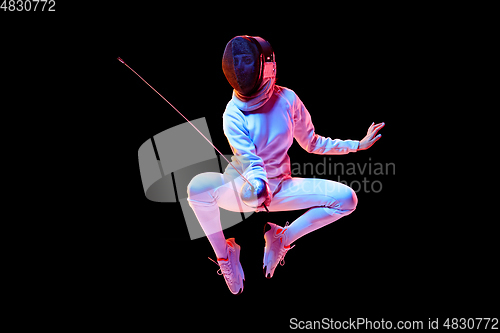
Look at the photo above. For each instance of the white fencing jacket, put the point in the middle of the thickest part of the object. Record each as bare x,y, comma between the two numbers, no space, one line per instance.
260,131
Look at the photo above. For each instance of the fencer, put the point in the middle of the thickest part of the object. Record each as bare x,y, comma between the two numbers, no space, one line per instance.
260,122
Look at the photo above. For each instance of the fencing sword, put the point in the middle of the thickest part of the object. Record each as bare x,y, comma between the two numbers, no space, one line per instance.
246,180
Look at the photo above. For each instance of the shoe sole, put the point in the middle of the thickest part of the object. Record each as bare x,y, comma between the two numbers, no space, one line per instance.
267,227
238,249
241,289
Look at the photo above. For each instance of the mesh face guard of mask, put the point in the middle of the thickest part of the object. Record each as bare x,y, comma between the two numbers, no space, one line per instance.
247,61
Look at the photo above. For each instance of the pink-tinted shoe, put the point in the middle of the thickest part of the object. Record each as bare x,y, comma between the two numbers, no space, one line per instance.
276,247
231,268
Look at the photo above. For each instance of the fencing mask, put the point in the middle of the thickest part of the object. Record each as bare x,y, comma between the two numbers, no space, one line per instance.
246,62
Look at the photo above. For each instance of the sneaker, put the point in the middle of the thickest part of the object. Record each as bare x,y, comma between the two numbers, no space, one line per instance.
231,268
276,247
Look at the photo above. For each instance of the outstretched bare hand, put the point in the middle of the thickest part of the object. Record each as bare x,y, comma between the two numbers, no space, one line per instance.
371,136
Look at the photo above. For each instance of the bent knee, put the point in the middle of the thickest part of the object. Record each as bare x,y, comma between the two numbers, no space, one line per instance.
348,200
203,182
353,200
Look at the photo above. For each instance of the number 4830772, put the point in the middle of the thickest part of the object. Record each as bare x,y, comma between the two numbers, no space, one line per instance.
28,5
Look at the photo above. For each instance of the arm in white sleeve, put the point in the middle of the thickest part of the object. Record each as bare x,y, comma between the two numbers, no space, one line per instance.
243,148
312,142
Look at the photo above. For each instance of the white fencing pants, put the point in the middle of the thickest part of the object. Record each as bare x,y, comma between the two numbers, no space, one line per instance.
328,201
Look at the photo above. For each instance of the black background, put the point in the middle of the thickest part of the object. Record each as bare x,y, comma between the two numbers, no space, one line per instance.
404,253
